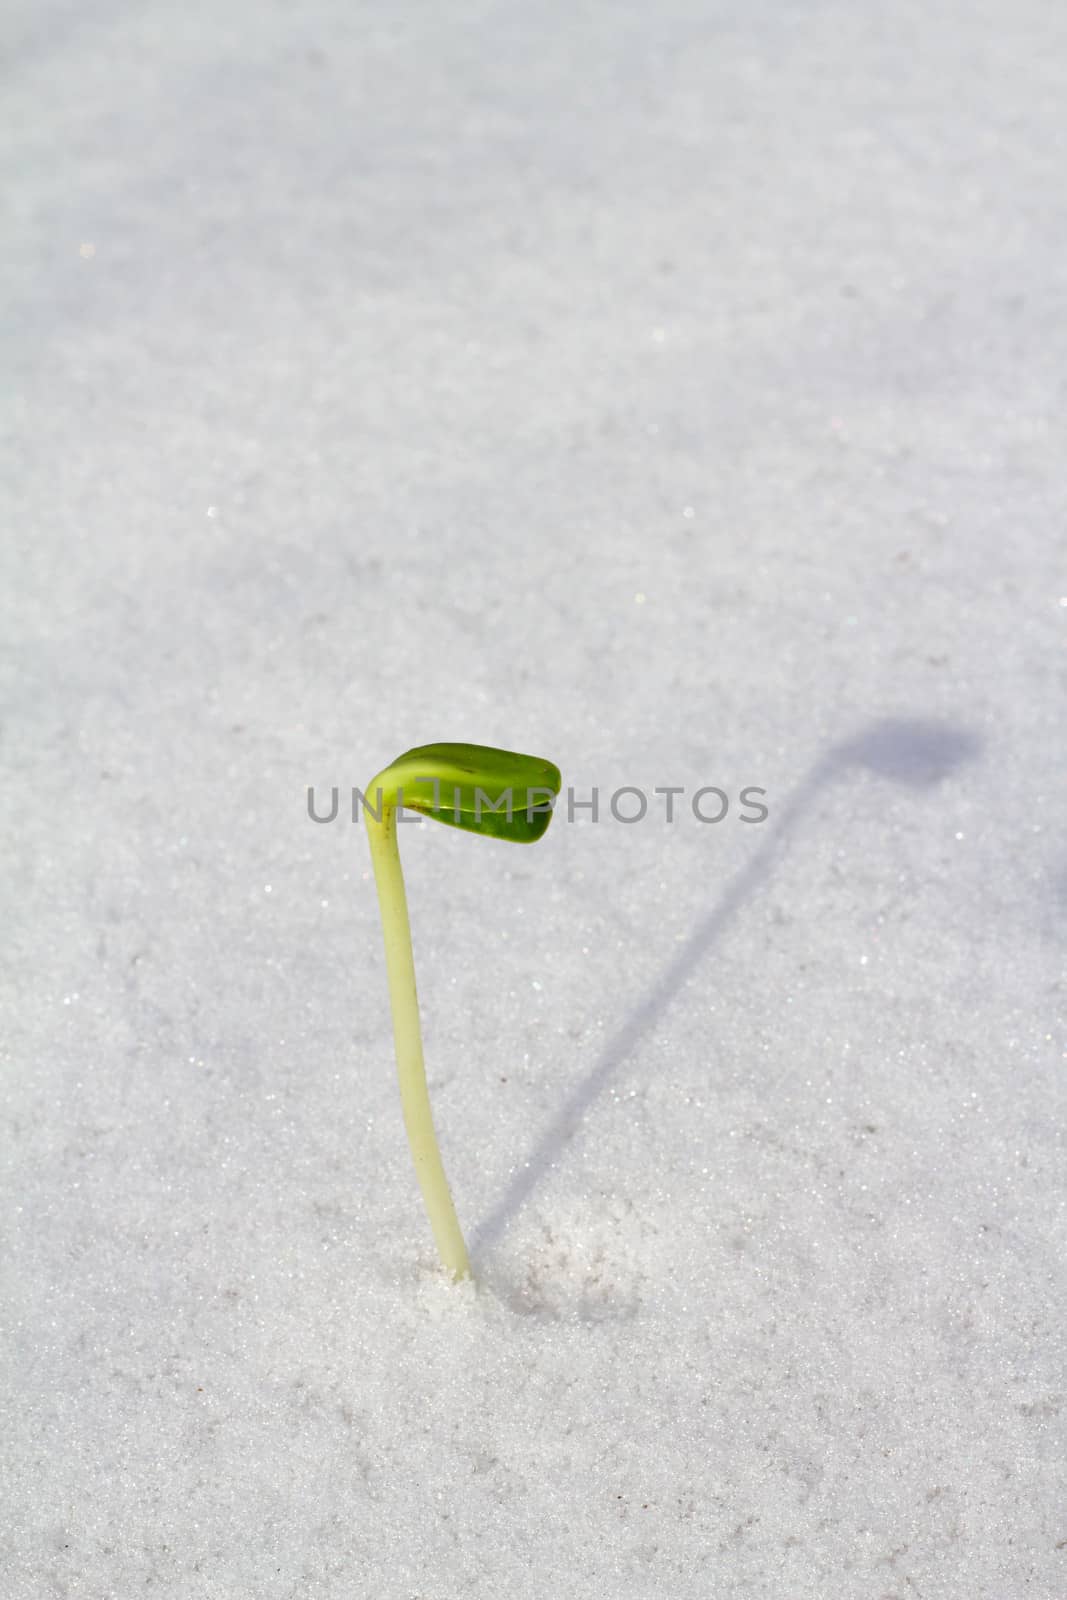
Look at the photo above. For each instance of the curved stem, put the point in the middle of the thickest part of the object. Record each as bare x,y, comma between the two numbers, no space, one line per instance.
414,1098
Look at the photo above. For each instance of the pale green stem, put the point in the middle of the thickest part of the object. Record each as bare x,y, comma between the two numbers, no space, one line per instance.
414,1098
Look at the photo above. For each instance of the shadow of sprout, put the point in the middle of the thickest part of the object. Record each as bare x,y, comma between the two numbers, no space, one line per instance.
918,753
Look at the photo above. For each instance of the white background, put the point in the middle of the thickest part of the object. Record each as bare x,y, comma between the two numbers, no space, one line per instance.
675,391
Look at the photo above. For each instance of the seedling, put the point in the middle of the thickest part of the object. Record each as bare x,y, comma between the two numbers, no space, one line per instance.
491,792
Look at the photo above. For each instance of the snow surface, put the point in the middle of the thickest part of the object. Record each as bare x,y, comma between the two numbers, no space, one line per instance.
675,391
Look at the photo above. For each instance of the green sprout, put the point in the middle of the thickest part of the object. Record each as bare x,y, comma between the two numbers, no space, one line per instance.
492,792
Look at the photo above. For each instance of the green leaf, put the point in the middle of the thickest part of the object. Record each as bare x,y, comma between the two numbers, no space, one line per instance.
498,793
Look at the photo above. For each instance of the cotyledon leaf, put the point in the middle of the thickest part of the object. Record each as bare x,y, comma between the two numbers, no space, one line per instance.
499,793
